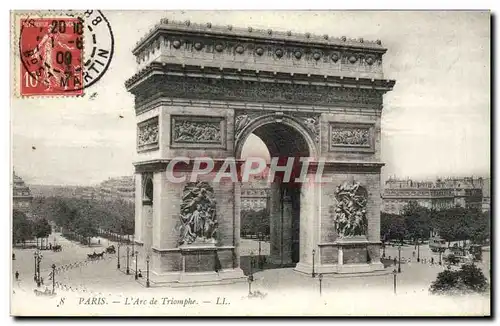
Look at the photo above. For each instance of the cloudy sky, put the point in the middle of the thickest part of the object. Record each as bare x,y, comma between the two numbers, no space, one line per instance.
436,121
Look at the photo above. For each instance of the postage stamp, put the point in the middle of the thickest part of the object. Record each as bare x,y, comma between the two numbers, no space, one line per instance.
51,51
62,54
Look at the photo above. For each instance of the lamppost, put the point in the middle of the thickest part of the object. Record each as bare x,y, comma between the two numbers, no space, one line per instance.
147,271
250,276
260,259
418,250
118,255
313,275
399,258
38,260
133,245
136,258
395,273
320,281
128,252
34,256
53,278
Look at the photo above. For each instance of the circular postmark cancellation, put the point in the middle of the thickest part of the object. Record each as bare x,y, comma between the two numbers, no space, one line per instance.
63,56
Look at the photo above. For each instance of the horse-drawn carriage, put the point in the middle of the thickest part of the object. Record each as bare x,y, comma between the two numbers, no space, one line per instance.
110,250
95,255
56,248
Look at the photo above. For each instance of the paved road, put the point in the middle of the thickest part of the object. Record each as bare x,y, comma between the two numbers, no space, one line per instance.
102,275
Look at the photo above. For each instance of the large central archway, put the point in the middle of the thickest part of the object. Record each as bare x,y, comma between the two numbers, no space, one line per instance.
284,138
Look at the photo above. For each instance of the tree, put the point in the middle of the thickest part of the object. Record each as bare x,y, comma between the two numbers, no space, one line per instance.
417,221
22,228
41,228
451,259
392,227
469,279
480,230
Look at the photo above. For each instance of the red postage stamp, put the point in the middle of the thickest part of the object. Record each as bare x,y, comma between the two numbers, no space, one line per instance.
51,51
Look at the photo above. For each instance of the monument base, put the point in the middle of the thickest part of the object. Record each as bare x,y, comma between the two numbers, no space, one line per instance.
200,265
349,255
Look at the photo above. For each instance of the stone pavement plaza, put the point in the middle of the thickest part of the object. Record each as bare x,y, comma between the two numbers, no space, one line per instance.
103,275
370,294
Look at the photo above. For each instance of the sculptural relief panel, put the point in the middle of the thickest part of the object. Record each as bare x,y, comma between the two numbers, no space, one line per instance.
148,135
351,137
198,214
198,131
349,211
200,88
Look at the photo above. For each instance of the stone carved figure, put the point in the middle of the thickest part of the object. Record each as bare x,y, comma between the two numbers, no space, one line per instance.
148,134
198,213
241,121
350,136
312,123
350,210
197,131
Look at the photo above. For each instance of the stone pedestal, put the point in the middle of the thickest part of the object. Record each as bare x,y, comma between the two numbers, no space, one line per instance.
354,256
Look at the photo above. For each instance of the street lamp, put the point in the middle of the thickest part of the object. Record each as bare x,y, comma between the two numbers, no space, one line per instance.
260,259
118,255
399,258
418,250
395,273
128,252
34,256
136,257
53,278
250,276
39,260
133,243
313,275
320,281
147,271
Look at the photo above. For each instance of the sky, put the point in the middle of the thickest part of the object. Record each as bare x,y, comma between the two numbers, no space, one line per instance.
436,121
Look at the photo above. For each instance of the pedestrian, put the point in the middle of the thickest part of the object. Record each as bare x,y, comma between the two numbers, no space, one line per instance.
13,256
41,280
432,260
413,254
99,241
17,275
140,274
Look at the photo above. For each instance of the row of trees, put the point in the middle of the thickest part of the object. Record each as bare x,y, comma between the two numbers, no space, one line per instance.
254,222
25,229
81,219
454,224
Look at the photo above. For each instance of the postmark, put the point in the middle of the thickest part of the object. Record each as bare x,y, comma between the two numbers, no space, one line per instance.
64,55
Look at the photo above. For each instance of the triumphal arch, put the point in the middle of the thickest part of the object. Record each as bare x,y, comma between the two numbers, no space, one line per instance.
201,90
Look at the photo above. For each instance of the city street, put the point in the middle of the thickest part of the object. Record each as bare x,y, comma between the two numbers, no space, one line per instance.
81,277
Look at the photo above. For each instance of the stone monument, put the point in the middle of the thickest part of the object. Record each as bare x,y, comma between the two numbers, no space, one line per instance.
201,90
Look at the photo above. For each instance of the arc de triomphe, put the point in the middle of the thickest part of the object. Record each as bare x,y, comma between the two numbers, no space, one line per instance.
201,90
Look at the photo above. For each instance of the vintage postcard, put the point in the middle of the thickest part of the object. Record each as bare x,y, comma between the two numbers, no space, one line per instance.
250,163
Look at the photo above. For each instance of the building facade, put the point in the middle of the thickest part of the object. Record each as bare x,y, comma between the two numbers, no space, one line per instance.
439,194
122,188
255,194
21,195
